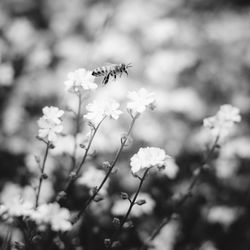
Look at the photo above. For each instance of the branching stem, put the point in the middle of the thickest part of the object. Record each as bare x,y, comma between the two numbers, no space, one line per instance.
42,174
184,197
91,198
132,203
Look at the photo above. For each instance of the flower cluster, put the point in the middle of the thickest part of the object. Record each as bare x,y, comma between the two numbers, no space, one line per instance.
53,215
98,110
139,101
50,124
79,80
222,123
148,157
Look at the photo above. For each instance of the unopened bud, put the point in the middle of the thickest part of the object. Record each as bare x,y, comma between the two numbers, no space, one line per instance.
140,202
106,164
82,146
107,242
44,176
116,222
124,196
116,244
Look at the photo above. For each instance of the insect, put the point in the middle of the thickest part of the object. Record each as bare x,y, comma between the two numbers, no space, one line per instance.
111,70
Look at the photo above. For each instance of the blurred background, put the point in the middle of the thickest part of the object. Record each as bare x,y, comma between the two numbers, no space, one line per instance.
193,54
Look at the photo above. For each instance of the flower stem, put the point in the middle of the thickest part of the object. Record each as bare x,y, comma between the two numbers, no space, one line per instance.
91,198
184,197
77,130
42,174
75,176
132,203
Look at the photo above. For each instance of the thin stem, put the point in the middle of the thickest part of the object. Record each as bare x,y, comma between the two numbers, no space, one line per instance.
91,198
77,130
42,174
75,176
132,203
188,193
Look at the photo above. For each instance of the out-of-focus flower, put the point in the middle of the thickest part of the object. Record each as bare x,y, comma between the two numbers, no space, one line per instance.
55,216
222,123
79,80
92,178
148,157
171,170
21,35
17,201
139,101
208,245
6,74
53,114
50,124
223,215
120,207
168,236
98,110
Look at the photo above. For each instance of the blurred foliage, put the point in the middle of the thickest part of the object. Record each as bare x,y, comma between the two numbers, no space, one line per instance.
193,54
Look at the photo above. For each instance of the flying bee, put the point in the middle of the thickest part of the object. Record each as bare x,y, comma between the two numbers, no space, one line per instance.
111,70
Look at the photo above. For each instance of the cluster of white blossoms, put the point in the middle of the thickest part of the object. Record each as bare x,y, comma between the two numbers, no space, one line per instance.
50,124
80,79
98,110
139,101
52,214
147,158
222,123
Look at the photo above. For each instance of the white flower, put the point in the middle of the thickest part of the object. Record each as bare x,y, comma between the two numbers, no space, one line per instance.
50,124
55,216
222,123
140,100
52,114
6,74
148,157
80,79
92,178
17,201
48,129
223,215
229,113
120,207
98,110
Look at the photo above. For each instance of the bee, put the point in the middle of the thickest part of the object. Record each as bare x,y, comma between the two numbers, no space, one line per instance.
111,71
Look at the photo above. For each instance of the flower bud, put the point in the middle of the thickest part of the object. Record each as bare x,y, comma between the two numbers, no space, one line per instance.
140,202
124,196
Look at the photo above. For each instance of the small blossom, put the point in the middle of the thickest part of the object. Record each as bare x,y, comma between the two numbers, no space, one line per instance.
222,123
148,157
17,201
223,215
139,101
6,74
52,114
55,216
48,129
50,124
97,111
80,79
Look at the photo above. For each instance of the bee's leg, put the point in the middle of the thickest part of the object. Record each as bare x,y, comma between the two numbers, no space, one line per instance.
115,76
106,79
126,72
